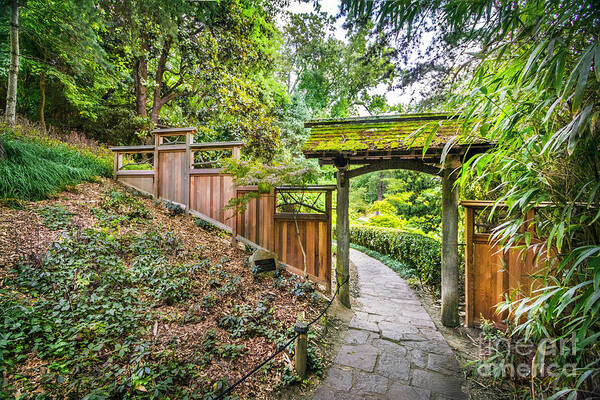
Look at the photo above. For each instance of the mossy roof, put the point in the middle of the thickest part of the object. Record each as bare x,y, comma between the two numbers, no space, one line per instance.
393,134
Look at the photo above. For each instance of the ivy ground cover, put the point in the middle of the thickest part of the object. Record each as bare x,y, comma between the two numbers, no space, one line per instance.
107,295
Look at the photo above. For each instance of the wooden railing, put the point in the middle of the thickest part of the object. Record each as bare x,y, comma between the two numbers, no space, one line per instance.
299,234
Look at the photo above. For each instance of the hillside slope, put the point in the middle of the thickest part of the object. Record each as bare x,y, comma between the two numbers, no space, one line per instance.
109,295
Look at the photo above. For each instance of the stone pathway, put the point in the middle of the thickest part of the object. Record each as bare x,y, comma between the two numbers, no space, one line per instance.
392,349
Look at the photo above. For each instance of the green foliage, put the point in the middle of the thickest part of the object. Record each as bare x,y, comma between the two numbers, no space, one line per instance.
534,91
82,311
119,209
329,76
33,170
404,270
411,201
55,217
246,321
174,209
420,252
265,177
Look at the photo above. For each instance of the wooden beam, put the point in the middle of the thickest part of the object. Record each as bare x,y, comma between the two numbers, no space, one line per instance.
342,269
450,316
413,165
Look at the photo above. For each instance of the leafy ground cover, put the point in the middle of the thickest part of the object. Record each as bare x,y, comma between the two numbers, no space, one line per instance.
108,295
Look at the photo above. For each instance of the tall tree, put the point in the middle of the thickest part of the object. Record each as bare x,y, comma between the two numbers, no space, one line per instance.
13,73
334,76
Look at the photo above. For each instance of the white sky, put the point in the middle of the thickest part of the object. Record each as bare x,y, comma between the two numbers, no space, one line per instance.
396,96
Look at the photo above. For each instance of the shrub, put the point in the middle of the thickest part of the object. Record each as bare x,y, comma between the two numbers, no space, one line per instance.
421,252
401,268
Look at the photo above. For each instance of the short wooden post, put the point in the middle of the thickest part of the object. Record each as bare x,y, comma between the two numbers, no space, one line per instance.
301,348
117,163
450,316
342,269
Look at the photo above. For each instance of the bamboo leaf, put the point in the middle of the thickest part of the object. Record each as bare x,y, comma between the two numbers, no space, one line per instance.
583,70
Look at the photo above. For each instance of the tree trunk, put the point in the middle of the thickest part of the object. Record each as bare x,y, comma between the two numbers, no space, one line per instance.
342,231
450,316
380,187
13,72
140,74
158,101
43,99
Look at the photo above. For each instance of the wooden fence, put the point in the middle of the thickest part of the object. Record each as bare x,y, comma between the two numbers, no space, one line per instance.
169,170
491,273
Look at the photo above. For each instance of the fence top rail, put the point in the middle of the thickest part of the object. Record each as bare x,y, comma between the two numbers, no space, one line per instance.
174,130
216,145
193,146
142,148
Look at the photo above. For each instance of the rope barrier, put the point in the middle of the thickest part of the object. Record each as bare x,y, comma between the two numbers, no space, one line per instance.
258,367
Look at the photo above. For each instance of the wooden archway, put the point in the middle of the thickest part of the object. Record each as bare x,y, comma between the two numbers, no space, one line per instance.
415,142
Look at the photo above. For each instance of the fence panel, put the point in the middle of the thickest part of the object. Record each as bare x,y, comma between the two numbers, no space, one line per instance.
491,273
315,237
172,173
169,170
255,224
140,180
210,192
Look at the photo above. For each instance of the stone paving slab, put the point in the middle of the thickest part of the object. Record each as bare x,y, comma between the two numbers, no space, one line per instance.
392,349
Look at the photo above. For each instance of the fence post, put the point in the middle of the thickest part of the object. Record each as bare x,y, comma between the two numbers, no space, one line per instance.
300,348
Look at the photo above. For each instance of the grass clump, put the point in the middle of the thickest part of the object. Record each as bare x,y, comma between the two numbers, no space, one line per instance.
35,169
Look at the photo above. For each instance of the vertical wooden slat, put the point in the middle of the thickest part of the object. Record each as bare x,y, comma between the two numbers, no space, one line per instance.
329,239
309,246
155,189
220,214
284,242
187,163
469,273
277,238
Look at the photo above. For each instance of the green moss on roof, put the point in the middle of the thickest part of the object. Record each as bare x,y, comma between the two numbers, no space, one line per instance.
388,133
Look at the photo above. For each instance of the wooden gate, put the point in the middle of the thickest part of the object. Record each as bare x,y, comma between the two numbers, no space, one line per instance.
174,169
491,273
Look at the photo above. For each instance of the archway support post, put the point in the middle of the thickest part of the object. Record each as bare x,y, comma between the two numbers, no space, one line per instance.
342,268
450,316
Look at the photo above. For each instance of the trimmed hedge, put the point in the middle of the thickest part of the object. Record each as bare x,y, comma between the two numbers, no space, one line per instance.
421,252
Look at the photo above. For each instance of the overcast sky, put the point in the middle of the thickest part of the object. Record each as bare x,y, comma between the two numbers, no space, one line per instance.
332,7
